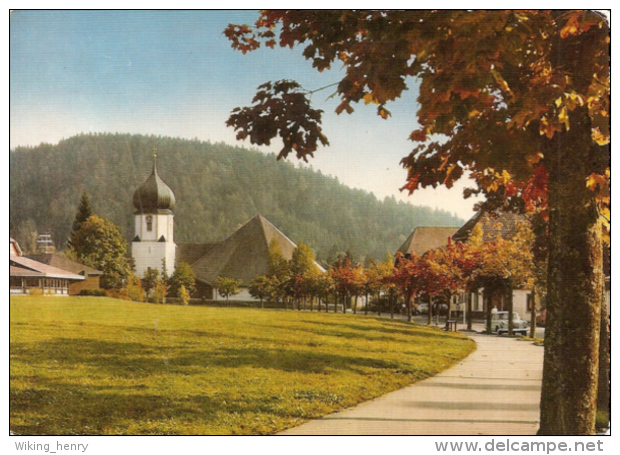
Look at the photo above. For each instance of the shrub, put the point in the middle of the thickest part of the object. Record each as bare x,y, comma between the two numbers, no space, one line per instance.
117,294
134,289
183,295
93,292
35,292
159,292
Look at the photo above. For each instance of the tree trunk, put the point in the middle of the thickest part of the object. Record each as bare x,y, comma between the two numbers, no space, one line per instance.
510,299
409,298
575,285
391,300
533,312
486,298
430,311
379,303
367,302
603,403
469,315
355,305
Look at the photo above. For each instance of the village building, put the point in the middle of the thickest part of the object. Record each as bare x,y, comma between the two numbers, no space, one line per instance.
423,239
506,226
153,243
426,238
27,276
91,275
244,255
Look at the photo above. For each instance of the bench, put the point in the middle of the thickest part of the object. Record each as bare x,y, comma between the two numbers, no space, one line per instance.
451,325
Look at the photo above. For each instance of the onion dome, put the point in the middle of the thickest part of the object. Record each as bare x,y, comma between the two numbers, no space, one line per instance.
154,196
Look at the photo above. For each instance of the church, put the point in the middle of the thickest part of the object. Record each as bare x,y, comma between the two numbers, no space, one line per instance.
244,255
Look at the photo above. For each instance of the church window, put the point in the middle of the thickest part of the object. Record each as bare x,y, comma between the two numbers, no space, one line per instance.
149,223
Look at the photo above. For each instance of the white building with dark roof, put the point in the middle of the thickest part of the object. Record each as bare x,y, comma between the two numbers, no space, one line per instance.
244,255
27,275
154,225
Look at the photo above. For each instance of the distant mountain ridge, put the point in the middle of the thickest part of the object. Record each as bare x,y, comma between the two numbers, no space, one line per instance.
218,188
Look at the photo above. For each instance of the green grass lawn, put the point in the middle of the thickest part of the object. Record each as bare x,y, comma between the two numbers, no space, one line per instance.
89,365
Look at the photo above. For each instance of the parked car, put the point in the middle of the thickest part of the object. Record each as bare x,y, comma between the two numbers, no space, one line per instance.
499,323
422,308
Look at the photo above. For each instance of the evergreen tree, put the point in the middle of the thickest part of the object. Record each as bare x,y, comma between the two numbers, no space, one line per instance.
83,213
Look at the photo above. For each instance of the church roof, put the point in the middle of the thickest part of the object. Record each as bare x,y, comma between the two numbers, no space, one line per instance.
244,255
154,196
191,252
425,238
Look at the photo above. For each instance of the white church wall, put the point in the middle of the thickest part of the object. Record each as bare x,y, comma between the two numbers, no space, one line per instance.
150,254
162,224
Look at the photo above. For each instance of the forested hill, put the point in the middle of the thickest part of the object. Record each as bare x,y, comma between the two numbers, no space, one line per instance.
217,187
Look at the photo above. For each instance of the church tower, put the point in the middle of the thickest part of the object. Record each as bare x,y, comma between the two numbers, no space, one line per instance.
154,239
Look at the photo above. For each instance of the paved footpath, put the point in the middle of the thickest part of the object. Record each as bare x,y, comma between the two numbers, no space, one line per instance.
494,391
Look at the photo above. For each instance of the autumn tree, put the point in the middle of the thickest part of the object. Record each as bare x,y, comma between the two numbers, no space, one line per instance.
384,271
300,264
408,277
183,276
324,287
370,282
416,276
347,281
503,262
313,283
99,244
133,288
454,267
277,271
259,288
150,278
510,97
227,287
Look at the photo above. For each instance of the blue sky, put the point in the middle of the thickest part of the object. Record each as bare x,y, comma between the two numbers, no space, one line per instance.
175,74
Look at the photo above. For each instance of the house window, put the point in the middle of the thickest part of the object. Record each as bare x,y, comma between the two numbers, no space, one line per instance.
530,302
149,223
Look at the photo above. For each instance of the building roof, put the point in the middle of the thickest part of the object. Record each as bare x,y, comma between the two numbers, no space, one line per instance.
61,262
191,252
44,270
26,273
244,255
425,238
154,196
505,223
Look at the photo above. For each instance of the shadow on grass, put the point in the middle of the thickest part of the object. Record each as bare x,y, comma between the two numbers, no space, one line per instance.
131,359
390,328
59,407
